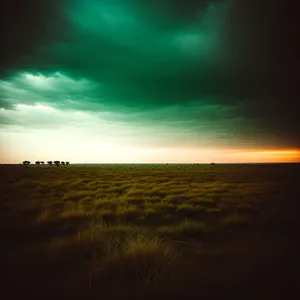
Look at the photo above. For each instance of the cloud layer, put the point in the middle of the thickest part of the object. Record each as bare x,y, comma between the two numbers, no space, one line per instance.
208,73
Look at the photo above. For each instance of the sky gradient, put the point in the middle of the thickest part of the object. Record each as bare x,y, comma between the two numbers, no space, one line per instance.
149,81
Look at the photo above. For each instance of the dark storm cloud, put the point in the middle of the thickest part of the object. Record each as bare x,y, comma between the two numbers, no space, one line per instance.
265,43
5,104
25,24
145,55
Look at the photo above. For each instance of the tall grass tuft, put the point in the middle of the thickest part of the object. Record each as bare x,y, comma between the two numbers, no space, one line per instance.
127,255
141,259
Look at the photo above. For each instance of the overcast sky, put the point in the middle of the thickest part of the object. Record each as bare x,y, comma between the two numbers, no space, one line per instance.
149,81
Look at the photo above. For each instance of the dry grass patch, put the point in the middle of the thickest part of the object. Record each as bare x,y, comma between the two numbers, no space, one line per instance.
118,189
158,210
175,199
184,230
136,200
106,204
190,210
75,212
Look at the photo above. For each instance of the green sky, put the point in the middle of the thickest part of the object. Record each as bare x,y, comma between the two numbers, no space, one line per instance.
116,80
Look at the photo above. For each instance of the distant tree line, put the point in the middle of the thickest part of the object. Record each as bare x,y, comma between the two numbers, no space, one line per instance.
50,163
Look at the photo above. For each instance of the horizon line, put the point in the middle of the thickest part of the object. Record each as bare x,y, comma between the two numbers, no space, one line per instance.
163,163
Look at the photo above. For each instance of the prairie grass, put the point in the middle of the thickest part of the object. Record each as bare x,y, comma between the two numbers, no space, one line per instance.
127,254
174,199
141,260
78,194
139,212
104,203
190,210
128,212
184,230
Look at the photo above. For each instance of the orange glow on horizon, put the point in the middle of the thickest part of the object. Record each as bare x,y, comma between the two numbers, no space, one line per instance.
276,155
178,155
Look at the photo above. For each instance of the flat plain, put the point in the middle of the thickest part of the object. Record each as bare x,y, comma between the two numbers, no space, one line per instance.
150,231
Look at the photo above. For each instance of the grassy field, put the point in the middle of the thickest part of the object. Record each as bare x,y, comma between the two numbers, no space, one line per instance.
156,231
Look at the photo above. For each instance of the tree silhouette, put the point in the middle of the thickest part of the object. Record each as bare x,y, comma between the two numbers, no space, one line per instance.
62,162
37,162
67,162
42,162
26,162
56,162
49,162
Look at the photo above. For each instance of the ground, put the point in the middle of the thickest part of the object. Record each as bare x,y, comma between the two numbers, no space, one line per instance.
137,231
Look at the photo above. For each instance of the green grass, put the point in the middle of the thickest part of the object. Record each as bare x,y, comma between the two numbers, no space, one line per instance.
125,253
121,224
